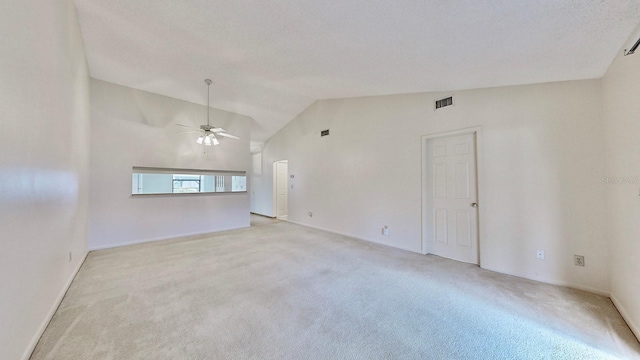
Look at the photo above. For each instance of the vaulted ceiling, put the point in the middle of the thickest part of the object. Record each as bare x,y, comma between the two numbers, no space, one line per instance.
271,59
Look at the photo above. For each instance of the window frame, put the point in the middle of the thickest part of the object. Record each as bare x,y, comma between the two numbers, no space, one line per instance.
141,170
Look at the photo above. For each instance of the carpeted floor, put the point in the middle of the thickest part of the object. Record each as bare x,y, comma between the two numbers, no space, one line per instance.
283,291
259,220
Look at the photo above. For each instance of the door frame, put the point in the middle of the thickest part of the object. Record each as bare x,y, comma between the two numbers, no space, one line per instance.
274,196
477,131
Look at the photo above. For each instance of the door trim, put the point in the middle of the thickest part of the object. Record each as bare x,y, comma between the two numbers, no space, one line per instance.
477,131
274,195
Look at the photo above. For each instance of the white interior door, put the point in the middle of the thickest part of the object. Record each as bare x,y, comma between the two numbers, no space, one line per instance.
452,210
281,189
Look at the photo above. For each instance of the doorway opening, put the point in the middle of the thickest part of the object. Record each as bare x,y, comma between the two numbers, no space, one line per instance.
280,183
450,205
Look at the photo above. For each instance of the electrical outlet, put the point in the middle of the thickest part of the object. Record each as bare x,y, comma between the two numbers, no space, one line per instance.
385,230
540,254
578,260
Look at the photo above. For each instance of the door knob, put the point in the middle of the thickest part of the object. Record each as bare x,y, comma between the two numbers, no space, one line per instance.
474,205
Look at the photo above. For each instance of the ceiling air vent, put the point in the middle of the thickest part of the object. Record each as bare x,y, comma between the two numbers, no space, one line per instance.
324,132
448,101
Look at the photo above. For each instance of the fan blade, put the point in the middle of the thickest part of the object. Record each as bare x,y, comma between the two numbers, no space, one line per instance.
228,135
217,130
189,126
188,132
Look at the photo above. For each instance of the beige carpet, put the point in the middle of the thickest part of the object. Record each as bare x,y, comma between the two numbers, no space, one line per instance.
282,291
259,220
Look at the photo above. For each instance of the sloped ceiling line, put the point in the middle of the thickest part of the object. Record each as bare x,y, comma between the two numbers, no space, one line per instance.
271,59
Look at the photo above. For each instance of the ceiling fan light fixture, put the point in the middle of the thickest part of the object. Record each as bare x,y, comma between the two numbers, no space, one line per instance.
214,139
207,132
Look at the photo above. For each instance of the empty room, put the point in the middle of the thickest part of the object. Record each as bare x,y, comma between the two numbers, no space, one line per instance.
294,179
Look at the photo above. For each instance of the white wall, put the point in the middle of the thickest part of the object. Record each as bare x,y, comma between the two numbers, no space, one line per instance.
135,128
255,180
44,160
262,182
621,89
543,162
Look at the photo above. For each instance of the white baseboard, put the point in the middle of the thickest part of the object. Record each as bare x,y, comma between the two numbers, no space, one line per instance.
171,237
553,282
354,236
264,215
625,315
43,326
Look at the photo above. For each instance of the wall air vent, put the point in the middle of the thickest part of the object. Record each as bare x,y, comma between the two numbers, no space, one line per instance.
448,101
324,132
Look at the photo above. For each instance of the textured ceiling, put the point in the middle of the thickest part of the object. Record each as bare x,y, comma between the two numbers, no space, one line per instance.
271,59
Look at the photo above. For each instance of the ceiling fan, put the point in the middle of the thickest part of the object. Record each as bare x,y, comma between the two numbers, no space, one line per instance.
207,132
